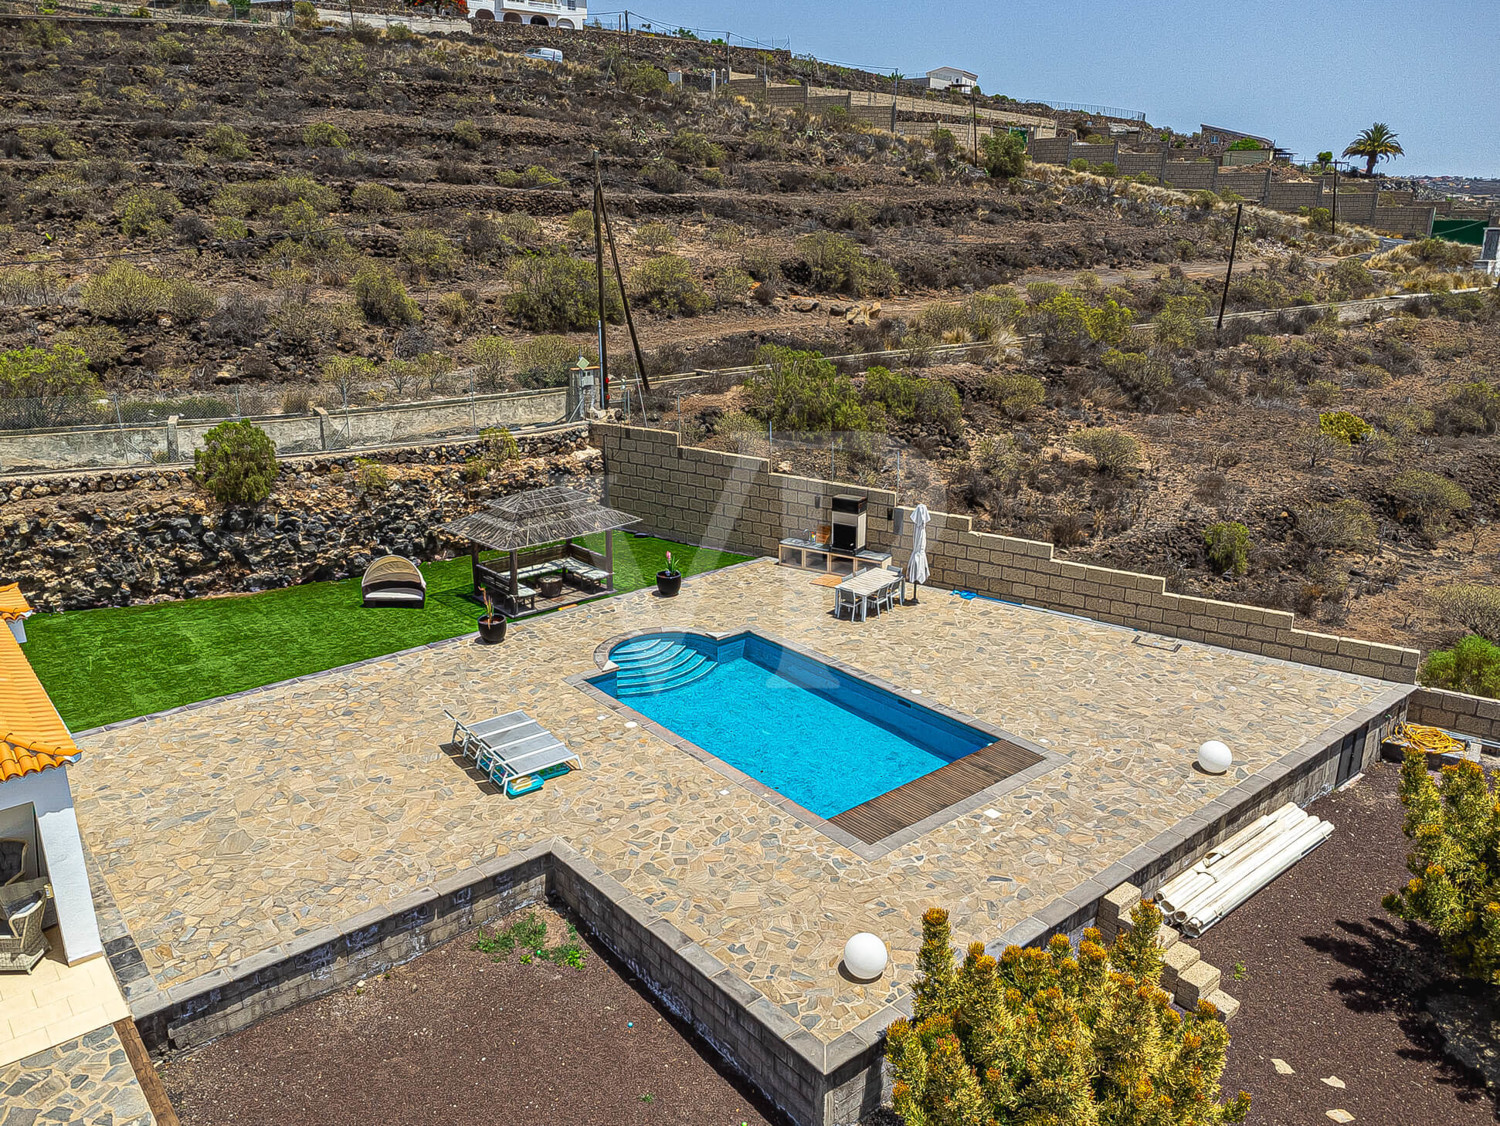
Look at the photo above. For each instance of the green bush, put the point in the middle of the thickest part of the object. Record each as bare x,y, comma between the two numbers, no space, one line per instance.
938,408
1320,219
556,293
50,376
695,150
666,285
347,376
494,359
1345,428
497,449
145,211
803,391
378,199
1070,326
1141,376
1177,327
836,264
1473,408
665,176
1228,545
1472,666
371,476
125,294
237,464
1455,884
1351,279
1004,156
467,134
428,253
226,142
1050,1036
262,197
382,298
642,79
543,361
1014,393
188,302
323,135
655,236
1426,499
1473,606
1114,451
581,225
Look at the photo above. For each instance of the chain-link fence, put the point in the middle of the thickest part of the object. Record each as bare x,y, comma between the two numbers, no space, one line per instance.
115,409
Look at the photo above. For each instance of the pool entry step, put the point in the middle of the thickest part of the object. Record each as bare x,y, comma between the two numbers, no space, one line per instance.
657,664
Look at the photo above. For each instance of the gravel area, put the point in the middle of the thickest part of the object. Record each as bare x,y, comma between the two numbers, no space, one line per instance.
1336,988
459,1037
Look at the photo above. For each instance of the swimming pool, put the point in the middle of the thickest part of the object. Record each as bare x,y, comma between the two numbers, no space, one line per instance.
825,739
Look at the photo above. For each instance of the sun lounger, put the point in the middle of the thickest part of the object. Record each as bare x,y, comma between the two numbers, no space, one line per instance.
393,581
517,753
469,737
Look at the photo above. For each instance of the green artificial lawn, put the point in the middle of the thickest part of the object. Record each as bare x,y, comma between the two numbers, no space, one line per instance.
100,666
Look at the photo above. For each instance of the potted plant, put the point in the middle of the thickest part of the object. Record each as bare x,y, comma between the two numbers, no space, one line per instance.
491,625
669,580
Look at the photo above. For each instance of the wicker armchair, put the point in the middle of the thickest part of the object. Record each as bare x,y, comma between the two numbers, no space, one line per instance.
22,908
12,860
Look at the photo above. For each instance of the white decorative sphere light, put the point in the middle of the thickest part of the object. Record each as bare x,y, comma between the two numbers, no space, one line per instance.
1214,757
865,956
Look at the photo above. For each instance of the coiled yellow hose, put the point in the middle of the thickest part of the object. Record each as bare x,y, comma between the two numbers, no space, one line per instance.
1429,740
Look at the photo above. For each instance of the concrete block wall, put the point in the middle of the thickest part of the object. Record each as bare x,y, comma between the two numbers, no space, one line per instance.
735,501
1191,175
1290,196
1475,716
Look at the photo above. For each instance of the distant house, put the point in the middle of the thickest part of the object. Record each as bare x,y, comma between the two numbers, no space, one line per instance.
951,78
566,14
1217,135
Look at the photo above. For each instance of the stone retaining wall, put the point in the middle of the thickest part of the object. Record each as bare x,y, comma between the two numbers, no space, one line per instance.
816,1084
736,501
1474,716
74,545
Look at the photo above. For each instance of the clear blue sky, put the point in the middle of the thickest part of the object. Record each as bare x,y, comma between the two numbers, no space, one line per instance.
1308,73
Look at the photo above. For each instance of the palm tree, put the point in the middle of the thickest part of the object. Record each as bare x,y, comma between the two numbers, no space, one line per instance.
1375,143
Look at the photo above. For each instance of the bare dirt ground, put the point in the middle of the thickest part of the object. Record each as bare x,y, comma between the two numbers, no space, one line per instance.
461,1037
1335,988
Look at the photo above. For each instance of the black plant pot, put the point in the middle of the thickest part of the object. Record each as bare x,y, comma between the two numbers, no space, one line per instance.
668,583
492,630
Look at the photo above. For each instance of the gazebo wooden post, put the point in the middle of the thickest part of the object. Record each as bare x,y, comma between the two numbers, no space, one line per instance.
609,557
474,563
515,584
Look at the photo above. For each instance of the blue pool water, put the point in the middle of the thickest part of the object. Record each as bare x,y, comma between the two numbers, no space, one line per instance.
826,740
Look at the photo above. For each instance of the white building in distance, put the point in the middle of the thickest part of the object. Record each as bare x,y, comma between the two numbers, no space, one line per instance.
567,14
951,78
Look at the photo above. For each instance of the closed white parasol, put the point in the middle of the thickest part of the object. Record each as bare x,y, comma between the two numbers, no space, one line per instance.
916,566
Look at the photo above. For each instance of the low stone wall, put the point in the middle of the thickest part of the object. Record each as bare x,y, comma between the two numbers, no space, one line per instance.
736,501
815,1084
1300,776
74,545
175,440
1474,716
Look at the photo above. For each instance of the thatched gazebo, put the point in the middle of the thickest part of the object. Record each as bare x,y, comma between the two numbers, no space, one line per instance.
537,529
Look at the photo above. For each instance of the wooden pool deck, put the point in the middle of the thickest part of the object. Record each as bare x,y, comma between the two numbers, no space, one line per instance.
918,800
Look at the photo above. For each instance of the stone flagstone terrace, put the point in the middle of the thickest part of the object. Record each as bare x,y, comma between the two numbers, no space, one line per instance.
228,828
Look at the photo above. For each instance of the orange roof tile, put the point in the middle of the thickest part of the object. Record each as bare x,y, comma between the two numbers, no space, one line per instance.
33,736
13,603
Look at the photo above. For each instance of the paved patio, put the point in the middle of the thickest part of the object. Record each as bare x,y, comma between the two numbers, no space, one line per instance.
226,829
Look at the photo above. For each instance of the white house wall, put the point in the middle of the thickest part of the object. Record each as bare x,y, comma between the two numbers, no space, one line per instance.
61,850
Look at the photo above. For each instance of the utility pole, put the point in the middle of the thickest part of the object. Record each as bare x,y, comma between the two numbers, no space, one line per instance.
1335,223
974,118
599,271
1239,210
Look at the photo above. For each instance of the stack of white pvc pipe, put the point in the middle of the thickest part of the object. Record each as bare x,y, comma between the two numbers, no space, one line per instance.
1235,870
